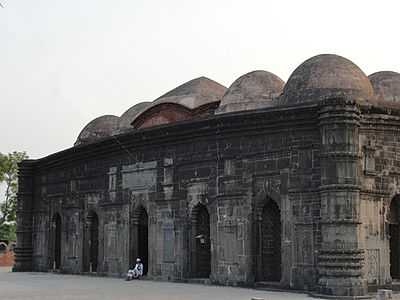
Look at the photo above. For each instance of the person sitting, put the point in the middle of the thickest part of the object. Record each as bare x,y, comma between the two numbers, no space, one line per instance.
136,272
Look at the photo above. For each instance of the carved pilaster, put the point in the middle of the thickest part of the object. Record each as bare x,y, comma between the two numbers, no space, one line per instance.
23,250
341,256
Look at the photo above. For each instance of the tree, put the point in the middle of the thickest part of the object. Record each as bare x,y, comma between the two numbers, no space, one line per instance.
9,177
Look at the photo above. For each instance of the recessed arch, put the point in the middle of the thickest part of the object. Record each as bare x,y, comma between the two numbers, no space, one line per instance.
56,241
262,198
268,240
139,237
200,242
91,242
394,236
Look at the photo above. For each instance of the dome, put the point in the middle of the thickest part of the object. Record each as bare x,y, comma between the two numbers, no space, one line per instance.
386,85
194,93
253,90
100,127
129,116
325,76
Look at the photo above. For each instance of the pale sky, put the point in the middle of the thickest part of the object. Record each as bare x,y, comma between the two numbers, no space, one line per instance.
64,63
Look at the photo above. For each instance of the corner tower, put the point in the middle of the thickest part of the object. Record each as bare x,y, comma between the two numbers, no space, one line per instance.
337,86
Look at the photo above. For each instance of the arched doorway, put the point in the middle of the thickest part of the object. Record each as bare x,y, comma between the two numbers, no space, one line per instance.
269,243
143,239
91,253
56,224
394,241
201,256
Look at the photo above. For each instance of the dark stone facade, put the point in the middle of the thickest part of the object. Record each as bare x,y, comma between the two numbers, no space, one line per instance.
299,195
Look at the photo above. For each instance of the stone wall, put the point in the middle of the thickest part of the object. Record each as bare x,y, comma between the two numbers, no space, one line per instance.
331,168
233,166
380,145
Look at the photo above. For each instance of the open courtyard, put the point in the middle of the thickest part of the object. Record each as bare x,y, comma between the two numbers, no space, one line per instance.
48,286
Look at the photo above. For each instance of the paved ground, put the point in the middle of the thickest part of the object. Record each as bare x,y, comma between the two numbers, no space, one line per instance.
47,286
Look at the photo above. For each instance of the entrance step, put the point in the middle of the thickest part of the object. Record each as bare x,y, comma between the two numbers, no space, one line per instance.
206,281
270,285
90,273
275,286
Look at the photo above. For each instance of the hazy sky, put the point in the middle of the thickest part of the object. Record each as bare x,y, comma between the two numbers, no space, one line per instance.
63,63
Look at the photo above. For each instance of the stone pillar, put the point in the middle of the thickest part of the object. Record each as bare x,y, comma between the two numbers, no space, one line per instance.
23,250
341,256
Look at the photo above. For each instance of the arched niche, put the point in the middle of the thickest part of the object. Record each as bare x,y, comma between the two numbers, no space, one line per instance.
267,241
56,242
393,221
91,242
200,242
139,237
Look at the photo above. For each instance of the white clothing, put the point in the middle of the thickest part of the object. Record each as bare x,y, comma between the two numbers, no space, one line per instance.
138,270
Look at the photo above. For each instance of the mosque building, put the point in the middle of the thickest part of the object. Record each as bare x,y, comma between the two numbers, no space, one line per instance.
266,183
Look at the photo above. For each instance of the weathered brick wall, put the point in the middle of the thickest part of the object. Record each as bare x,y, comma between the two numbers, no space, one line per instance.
165,117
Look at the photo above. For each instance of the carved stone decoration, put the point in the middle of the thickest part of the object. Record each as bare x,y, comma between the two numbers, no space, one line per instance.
373,264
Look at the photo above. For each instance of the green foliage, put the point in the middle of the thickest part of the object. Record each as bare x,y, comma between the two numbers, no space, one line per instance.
9,177
7,232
